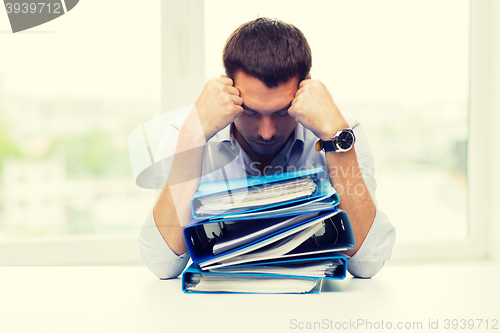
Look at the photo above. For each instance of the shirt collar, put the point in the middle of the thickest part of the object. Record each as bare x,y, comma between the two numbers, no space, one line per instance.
299,134
226,137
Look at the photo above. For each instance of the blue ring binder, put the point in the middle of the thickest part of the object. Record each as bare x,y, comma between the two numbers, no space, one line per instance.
298,241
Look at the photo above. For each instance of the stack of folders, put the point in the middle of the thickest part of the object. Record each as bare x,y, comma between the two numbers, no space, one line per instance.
267,234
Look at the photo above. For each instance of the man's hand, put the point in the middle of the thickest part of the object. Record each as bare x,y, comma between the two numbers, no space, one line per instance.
218,105
314,108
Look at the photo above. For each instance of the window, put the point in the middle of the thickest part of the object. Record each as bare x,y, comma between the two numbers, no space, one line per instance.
71,91
402,69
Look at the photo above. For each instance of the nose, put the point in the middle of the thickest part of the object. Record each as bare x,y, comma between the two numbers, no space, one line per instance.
267,127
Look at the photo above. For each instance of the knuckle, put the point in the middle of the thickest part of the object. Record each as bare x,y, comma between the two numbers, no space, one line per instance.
221,88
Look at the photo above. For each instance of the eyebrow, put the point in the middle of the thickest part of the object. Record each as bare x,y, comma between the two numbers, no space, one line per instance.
252,110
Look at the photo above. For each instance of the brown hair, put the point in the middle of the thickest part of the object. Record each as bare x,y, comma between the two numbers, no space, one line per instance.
268,49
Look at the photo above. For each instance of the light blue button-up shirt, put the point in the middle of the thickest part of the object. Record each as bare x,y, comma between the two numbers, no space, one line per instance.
223,152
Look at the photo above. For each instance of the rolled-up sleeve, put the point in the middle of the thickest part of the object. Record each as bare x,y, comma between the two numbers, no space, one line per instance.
378,243
375,250
161,260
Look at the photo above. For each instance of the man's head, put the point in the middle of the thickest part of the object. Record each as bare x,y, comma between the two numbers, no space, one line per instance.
266,59
268,49
265,124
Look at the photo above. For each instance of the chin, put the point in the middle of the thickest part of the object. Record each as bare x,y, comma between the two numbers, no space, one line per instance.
266,152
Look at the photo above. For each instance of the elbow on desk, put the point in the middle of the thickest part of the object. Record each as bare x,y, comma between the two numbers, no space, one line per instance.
364,269
164,270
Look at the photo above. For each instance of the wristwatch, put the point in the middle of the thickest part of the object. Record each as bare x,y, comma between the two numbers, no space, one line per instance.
342,141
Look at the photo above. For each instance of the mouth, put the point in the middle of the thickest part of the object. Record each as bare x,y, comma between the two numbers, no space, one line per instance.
266,144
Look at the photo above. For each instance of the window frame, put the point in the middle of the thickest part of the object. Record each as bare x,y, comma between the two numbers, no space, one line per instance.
481,161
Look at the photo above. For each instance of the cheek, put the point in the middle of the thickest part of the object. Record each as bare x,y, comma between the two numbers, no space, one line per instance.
244,125
286,127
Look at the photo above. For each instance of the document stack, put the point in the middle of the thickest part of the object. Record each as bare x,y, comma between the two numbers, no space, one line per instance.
270,234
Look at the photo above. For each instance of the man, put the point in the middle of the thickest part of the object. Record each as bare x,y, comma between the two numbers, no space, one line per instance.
265,115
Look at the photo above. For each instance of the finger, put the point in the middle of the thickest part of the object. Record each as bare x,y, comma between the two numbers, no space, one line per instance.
239,111
305,82
233,91
237,100
298,93
295,101
226,81
291,110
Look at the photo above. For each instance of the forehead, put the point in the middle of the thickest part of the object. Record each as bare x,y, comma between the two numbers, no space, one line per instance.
257,96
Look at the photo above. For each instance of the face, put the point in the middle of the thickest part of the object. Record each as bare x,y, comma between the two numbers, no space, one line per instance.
264,124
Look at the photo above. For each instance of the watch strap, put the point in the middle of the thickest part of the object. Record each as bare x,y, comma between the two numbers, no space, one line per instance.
325,145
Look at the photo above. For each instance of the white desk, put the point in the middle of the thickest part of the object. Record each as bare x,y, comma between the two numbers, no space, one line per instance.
131,299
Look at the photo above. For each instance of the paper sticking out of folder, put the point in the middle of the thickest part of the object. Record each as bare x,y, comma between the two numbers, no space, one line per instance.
255,197
202,282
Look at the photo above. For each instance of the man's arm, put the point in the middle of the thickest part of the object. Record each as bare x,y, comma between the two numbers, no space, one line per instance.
217,106
314,108
172,208
355,199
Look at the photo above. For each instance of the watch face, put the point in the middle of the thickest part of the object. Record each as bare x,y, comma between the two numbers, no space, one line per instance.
345,140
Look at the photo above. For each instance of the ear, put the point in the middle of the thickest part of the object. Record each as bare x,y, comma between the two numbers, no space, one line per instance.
223,76
308,77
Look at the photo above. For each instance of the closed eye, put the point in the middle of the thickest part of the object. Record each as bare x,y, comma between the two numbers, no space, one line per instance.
283,113
247,112
250,114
